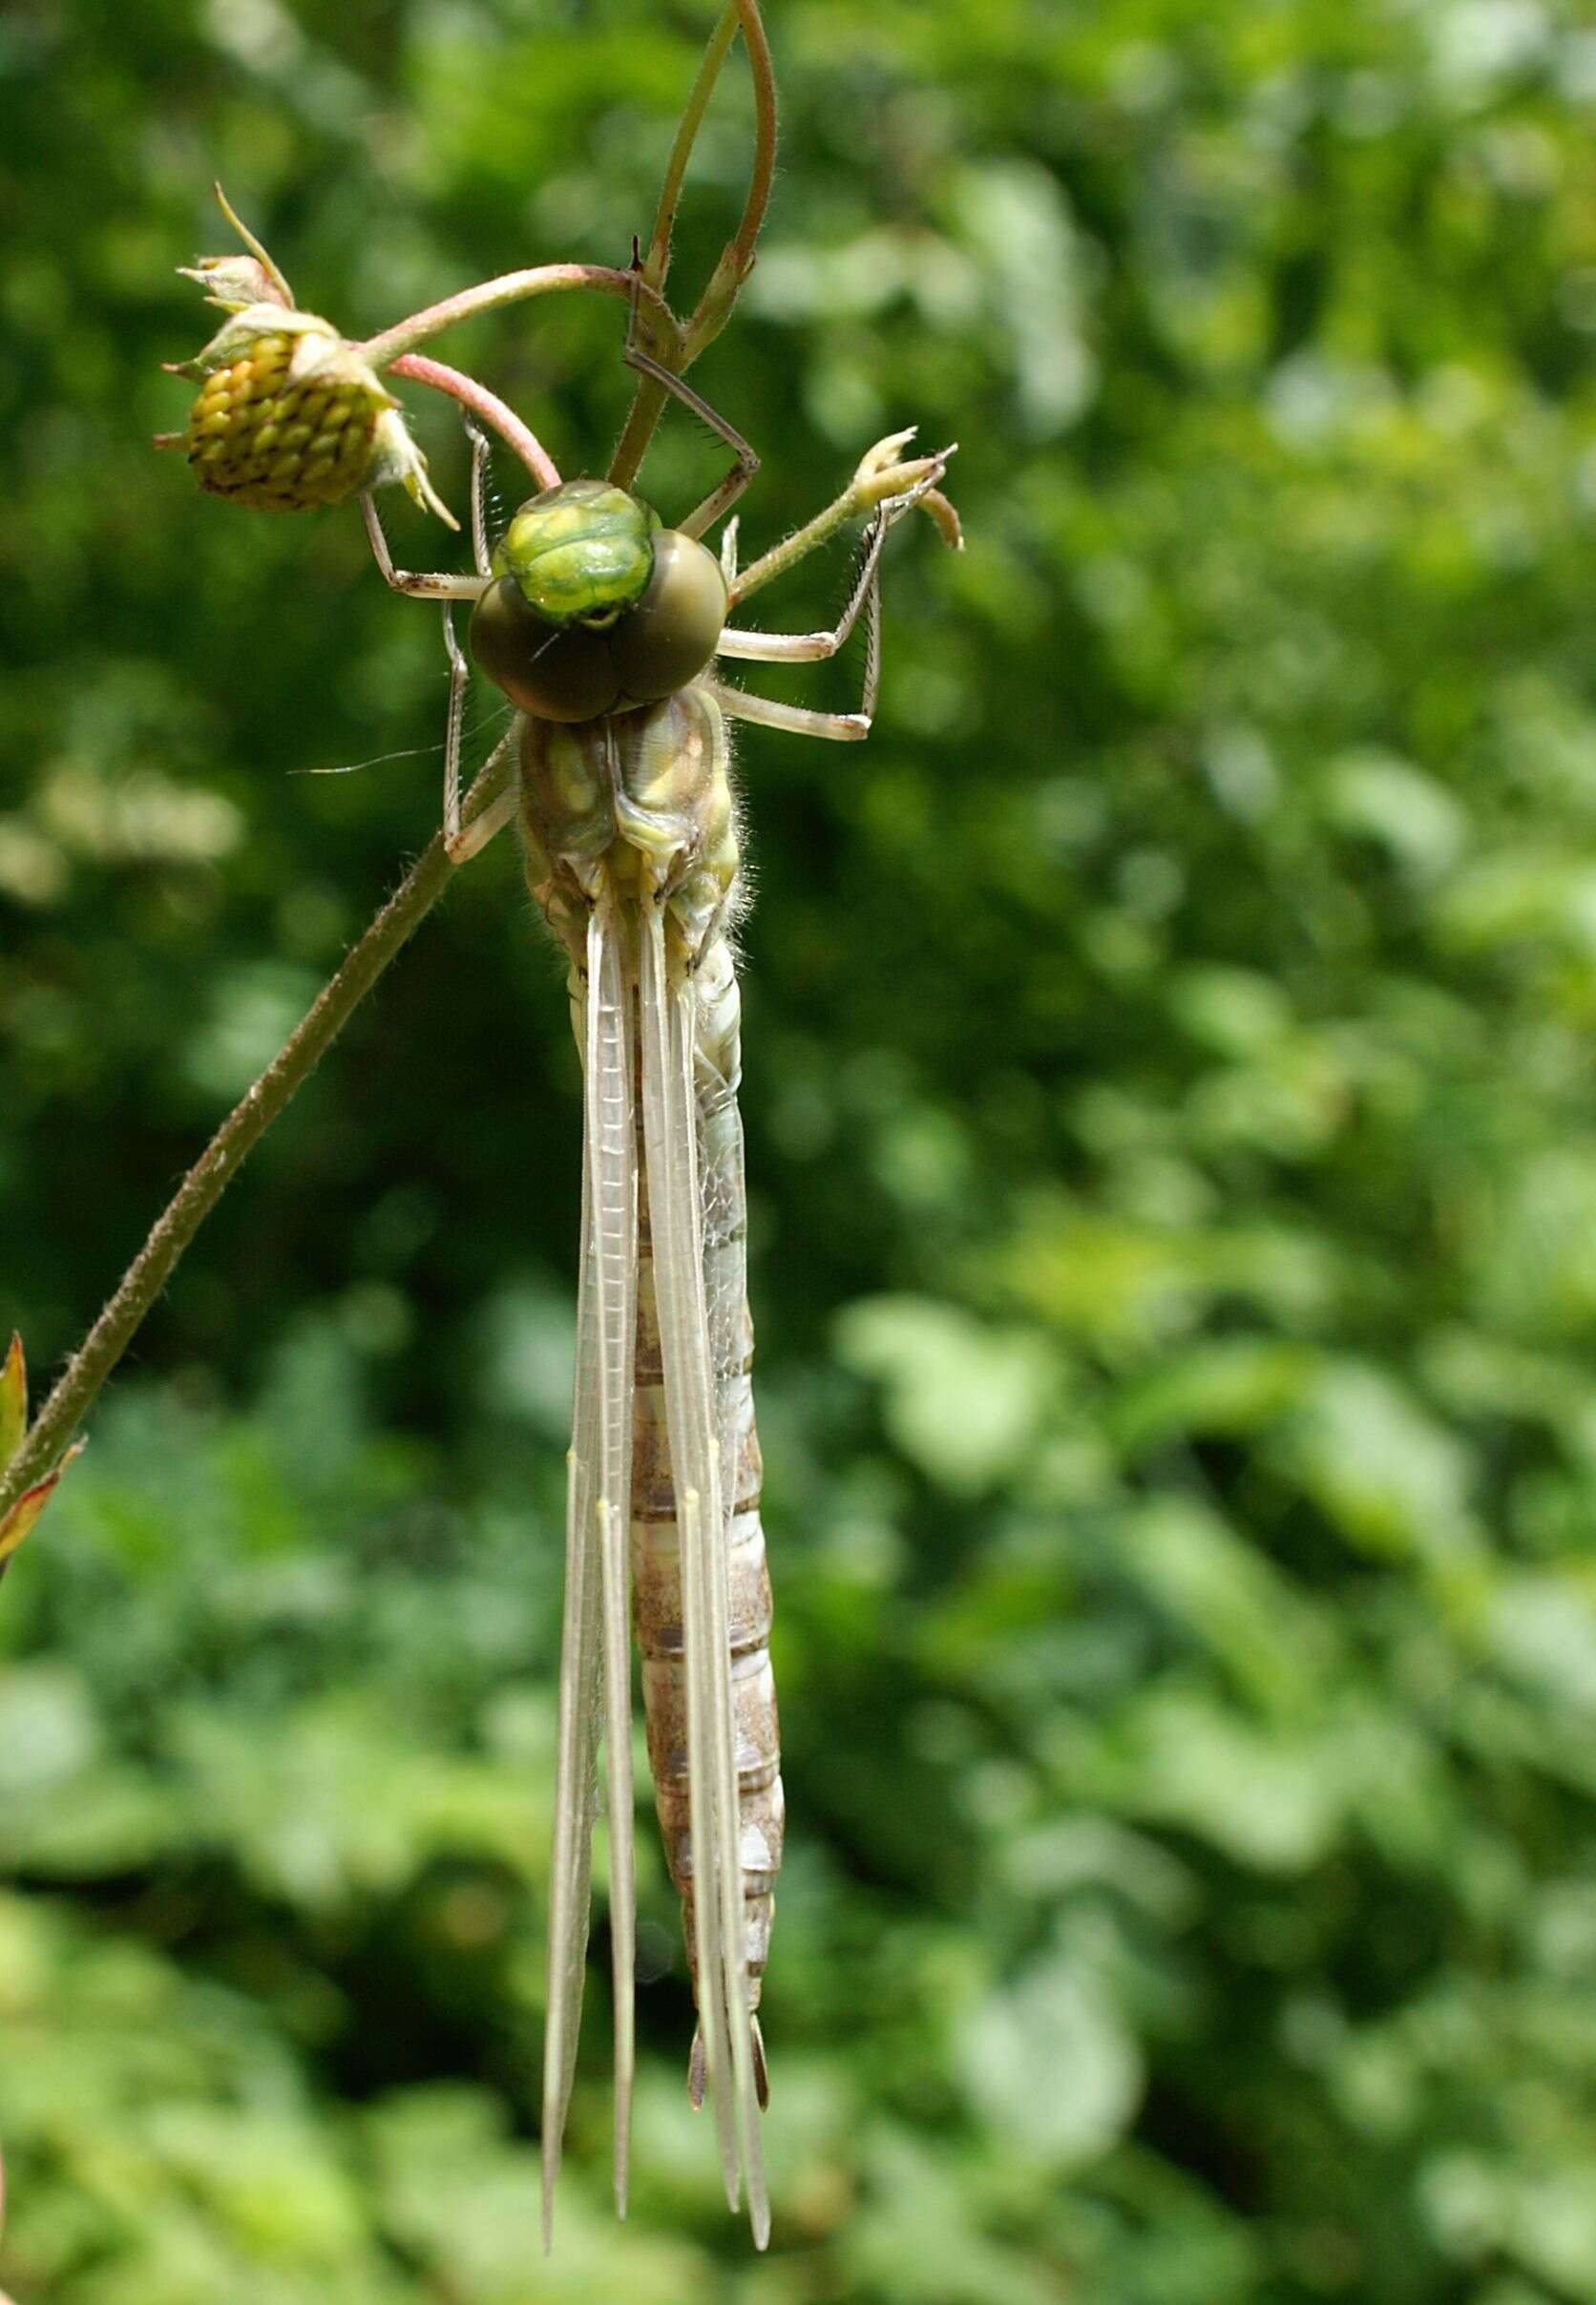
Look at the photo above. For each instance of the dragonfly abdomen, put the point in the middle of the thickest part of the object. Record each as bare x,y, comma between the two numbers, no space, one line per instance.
658,1613
656,1548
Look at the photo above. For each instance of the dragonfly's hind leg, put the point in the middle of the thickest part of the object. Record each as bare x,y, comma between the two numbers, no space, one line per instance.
811,647
719,499
800,648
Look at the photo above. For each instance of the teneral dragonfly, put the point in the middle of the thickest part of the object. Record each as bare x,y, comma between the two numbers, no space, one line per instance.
604,627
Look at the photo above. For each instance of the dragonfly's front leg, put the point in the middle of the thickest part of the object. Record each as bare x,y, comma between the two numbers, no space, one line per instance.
805,648
462,844
441,585
719,499
810,648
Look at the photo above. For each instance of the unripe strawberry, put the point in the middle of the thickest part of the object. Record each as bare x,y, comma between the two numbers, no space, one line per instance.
288,415
258,436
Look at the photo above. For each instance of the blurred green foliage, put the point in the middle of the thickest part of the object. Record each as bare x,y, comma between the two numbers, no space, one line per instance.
1171,1132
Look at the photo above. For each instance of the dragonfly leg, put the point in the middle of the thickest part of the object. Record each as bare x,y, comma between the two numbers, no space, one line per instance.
728,552
478,439
470,840
799,720
438,587
797,648
719,499
809,648
459,673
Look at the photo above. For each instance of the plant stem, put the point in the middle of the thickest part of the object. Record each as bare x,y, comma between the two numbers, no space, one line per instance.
219,1163
715,306
656,262
806,540
419,368
509,288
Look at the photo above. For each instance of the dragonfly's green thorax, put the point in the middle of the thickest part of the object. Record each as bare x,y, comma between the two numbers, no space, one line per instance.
643,802
580,553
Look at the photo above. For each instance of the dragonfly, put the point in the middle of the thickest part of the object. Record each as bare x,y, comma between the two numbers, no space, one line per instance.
603,628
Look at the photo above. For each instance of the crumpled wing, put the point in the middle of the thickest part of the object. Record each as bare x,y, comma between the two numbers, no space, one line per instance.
596,1655
670,1137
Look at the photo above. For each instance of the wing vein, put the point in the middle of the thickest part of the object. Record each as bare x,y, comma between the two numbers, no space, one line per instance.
595,1664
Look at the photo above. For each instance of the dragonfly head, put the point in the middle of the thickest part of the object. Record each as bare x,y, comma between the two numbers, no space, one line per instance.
594,607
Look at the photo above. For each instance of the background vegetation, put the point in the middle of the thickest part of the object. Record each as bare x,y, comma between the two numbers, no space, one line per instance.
1174,1158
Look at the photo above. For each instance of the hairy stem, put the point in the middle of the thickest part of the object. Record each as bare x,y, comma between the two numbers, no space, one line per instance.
419,368
879,479
221,1159
509,288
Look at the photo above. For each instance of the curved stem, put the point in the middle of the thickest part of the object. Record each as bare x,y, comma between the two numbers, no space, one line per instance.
656,262
715,306
223,1157
738,261
509,288
420,368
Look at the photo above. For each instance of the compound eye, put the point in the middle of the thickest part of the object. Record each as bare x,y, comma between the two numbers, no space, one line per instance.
670,636
555,673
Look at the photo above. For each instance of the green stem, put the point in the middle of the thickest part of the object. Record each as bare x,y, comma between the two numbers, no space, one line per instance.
715,306
221,1159
803,540
657,264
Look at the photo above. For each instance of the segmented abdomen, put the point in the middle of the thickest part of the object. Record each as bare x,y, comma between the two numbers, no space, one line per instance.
655,1557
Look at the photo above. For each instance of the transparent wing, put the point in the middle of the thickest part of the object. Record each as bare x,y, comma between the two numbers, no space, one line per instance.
596,1658
670,1135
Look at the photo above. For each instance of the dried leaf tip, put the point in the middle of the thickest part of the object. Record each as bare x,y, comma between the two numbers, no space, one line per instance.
235,282
20,1517
885,476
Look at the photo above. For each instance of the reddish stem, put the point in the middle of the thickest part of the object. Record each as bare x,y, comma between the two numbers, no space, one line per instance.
421,369
509,288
